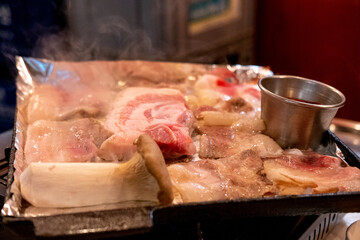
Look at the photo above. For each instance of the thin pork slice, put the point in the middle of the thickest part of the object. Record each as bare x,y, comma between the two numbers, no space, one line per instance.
50,102
63,141
147,72
159,112
119,74
238,176
221,141
308,172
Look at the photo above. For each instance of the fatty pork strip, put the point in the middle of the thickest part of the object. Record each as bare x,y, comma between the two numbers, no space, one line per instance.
302,172
223,134
222,91
219,141
229,165
119,74
49,102
155,73
237,176
62,141
159,112
144,177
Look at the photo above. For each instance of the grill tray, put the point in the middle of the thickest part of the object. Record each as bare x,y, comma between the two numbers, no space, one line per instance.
279,215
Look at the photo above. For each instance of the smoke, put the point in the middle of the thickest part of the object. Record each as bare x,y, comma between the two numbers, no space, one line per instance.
116,34
128,30
106,38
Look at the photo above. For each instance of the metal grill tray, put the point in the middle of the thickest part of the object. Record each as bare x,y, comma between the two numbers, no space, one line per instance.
176,220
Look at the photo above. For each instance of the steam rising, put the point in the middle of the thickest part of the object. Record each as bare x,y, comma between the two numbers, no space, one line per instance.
108,38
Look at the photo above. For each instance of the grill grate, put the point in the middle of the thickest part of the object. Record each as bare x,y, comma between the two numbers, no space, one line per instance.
321,227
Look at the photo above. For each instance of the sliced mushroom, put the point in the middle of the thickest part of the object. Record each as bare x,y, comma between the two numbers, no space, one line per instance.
62,185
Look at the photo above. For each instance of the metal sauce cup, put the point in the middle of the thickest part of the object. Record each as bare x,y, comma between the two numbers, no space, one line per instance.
297,111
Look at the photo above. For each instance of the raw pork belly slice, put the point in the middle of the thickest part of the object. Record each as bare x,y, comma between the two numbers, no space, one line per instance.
238,176
147,72
63,141
219,142
159,112
49,102
309,172
116,74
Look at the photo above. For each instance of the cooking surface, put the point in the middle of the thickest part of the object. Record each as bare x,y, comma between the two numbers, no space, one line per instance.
352,140
75,223
208,229
349,132
275,211
204,230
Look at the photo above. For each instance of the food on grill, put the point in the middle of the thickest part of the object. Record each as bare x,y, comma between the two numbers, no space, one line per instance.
237,176
221,141
50,102
59,185
227,93
83,119
217,118
148,73
62,141
159,112
305,172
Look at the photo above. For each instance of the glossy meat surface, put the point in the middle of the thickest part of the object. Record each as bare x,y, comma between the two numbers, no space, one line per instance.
238,176
63,141
219,142
309,172
50,102
206,122
159,112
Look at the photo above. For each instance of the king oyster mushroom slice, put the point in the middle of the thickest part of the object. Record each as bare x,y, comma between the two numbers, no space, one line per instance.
61,185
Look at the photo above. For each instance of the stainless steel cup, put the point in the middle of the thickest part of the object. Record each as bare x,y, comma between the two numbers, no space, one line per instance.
297,111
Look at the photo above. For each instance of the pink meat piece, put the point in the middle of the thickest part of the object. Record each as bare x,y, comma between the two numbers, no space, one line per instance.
50,102
310,172
119,146
238,176
173,140
63,141
160,112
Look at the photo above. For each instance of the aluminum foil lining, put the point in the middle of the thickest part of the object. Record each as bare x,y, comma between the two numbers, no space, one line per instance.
119,74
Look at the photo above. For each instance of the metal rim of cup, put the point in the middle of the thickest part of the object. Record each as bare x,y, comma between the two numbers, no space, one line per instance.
304,104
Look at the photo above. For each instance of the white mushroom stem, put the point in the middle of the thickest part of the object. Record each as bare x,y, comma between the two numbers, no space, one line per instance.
61,185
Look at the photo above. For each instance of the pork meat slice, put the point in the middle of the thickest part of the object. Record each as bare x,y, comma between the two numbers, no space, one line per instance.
219,142
119,74
305,172
147,72
50,102
159,112
238,176
63,141
216,90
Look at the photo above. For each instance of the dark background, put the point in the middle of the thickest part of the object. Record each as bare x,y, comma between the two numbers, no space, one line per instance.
314,39
22,24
